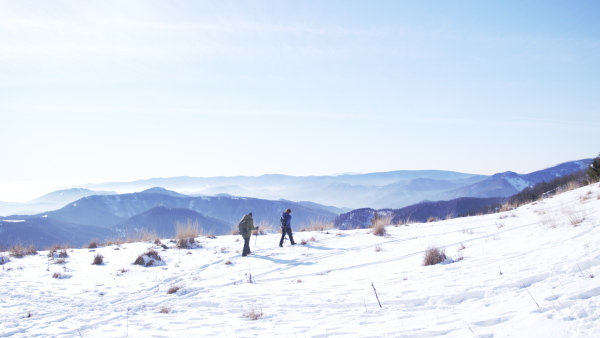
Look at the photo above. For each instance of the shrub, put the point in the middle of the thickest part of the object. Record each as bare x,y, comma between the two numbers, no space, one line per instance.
57,275
92,245
434,255
59,261
431,219
165,309
378,248
253,314
98,259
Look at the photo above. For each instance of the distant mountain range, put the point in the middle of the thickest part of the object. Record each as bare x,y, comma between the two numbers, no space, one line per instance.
393,189
420,212
76,215
51,201
157,209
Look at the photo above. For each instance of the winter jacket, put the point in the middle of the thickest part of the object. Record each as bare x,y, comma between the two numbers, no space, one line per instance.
286,220
249,226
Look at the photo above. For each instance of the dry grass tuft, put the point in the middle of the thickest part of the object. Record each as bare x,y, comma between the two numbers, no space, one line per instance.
164,309
174,289
20,251
186,233
188,229
92,245
318,225
379,230
98,259
572,185
432,219
57,275
574,217
152,255
305,241
434,255
378,248
253,314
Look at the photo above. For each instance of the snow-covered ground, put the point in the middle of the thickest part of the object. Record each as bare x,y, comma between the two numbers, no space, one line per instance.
525,273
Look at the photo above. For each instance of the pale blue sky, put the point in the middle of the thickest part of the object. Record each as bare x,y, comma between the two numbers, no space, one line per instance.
124,90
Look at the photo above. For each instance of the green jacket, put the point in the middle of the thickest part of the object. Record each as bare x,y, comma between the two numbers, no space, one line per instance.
249,226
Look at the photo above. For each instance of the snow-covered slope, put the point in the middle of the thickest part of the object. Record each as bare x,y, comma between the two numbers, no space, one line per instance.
523,273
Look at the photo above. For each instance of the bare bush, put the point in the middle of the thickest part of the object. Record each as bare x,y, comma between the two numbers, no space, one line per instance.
434,255
165,309
432,219
57,275
60,261
378,248
98,259
4,260
227,262
253,314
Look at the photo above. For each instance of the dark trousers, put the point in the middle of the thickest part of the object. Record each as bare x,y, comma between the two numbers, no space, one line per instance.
288,231
246,250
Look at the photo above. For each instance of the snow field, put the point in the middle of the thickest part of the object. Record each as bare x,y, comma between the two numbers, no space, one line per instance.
524,273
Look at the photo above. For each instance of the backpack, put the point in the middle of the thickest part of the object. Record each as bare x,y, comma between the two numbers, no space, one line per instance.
242,227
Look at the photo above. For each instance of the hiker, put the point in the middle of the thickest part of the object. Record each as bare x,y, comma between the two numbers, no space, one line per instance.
286,227
246,227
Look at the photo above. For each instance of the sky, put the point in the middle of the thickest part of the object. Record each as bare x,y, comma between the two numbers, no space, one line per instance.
123,90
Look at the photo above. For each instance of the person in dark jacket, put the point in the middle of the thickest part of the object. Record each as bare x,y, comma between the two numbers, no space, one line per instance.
286,226
246,232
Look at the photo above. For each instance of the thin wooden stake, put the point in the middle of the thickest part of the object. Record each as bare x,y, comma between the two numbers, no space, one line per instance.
536,303
376,295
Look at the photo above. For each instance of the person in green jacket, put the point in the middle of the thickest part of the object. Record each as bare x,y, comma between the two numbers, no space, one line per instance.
246,227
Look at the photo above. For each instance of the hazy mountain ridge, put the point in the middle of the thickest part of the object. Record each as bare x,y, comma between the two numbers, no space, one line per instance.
110,216
163,221
51,201
343,191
